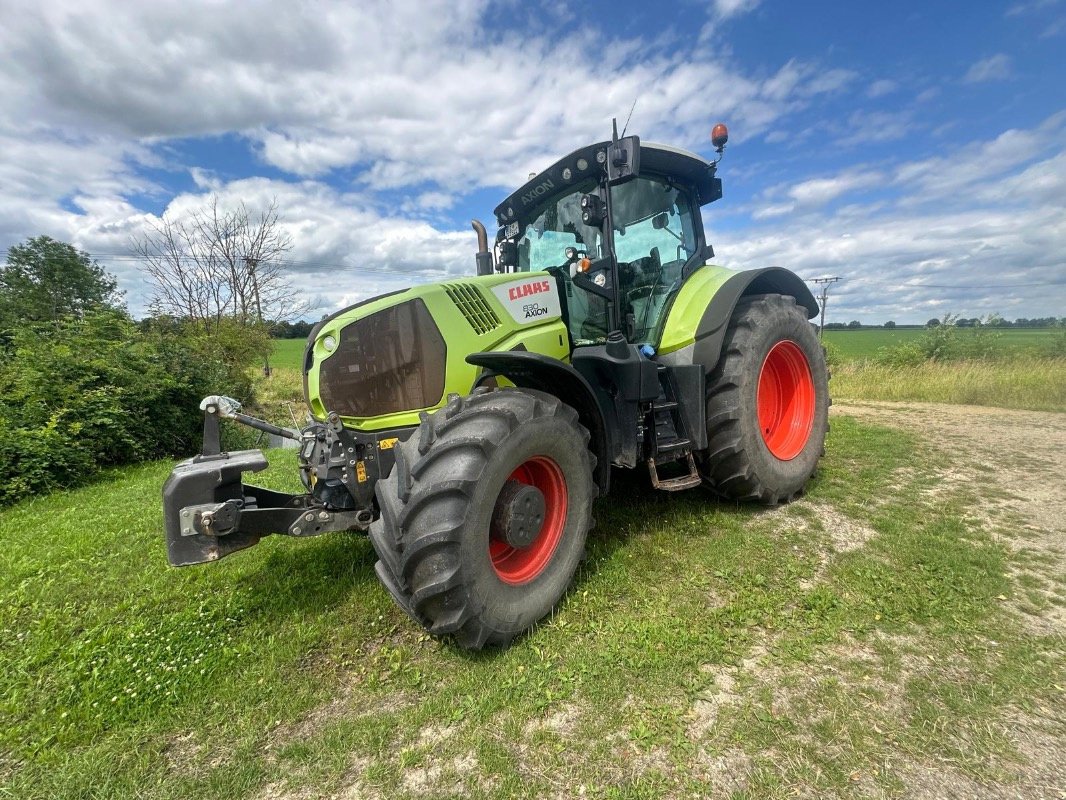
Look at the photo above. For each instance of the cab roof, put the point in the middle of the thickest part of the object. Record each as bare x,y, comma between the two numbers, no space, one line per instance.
660,159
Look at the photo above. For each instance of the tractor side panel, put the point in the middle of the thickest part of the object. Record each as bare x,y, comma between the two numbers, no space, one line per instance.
375,349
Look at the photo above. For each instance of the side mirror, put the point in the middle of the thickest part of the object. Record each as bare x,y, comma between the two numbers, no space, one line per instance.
623,160
583,281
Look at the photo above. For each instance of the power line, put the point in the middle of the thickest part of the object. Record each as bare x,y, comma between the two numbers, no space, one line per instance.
826,283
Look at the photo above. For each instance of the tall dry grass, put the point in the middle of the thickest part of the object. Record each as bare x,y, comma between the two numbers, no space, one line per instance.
1033,383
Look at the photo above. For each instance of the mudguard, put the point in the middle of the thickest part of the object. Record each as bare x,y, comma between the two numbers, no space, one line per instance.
697,320
546,374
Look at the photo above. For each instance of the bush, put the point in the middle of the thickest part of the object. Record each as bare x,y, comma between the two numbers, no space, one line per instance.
944,342
1055,346
833,357
77,395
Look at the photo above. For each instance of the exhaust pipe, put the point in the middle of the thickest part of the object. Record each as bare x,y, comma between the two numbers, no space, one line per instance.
483,258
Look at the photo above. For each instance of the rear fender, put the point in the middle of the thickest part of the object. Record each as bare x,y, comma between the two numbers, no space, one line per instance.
554,377
696,325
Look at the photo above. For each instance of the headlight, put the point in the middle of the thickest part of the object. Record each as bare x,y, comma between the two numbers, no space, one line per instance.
330,343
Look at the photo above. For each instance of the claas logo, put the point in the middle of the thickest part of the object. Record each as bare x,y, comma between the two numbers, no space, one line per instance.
526,289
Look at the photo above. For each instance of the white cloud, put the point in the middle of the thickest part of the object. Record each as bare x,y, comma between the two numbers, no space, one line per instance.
802,80
770,211
993,68
867,127
370,89
819,191
371,86
881,88
723,10
987,220
1029,7
973,165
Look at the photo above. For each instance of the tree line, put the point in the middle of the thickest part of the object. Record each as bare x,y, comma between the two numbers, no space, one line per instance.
993,321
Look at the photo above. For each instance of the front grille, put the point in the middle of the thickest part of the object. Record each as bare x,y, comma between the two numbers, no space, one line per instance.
393,360
473,306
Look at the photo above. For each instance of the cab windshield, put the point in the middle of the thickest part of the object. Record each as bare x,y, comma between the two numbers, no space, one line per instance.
544,242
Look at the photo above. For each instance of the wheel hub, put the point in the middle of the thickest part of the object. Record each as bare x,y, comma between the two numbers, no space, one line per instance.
518,515
786,400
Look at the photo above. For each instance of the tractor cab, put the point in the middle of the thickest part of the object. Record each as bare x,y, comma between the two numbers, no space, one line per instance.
621,238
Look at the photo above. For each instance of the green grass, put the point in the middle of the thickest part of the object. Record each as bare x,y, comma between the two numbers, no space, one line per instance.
864,344
289,667
288,353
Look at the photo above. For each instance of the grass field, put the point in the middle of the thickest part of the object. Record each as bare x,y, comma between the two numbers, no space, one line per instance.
843,644
860,344
288,353
1022,382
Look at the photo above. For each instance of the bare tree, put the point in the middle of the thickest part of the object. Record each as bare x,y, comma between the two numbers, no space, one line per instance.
220,263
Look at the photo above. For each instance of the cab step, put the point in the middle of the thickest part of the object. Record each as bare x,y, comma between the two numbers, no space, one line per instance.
678,483
667,445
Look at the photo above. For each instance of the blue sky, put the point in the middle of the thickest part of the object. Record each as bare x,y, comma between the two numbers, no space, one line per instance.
916,150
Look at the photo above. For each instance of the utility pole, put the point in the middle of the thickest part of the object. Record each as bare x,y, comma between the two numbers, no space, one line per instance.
826,283
252,263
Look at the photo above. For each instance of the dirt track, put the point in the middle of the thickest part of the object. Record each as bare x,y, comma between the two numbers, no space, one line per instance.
1022,452
1016,462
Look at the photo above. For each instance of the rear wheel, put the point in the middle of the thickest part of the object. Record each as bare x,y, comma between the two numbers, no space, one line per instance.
485,514
767,403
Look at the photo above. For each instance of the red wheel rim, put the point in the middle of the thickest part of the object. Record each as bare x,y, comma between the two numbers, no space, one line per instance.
517,565
786,400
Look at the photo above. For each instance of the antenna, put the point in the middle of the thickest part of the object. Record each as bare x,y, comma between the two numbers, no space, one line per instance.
626,126
826,283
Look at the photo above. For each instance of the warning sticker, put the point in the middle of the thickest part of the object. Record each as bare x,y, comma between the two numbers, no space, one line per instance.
530,299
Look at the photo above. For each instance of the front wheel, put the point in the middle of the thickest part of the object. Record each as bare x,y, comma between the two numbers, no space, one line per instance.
767,403
485,514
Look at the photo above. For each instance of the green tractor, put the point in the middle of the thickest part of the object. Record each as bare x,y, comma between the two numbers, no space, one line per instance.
469,424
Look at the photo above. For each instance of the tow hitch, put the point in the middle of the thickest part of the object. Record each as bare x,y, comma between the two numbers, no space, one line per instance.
210,512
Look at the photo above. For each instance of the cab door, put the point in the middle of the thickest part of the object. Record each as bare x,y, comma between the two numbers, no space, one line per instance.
655,238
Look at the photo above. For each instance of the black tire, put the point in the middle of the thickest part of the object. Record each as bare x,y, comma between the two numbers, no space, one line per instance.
769,461
437,507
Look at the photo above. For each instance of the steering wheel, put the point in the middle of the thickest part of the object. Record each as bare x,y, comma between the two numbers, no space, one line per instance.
649,267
